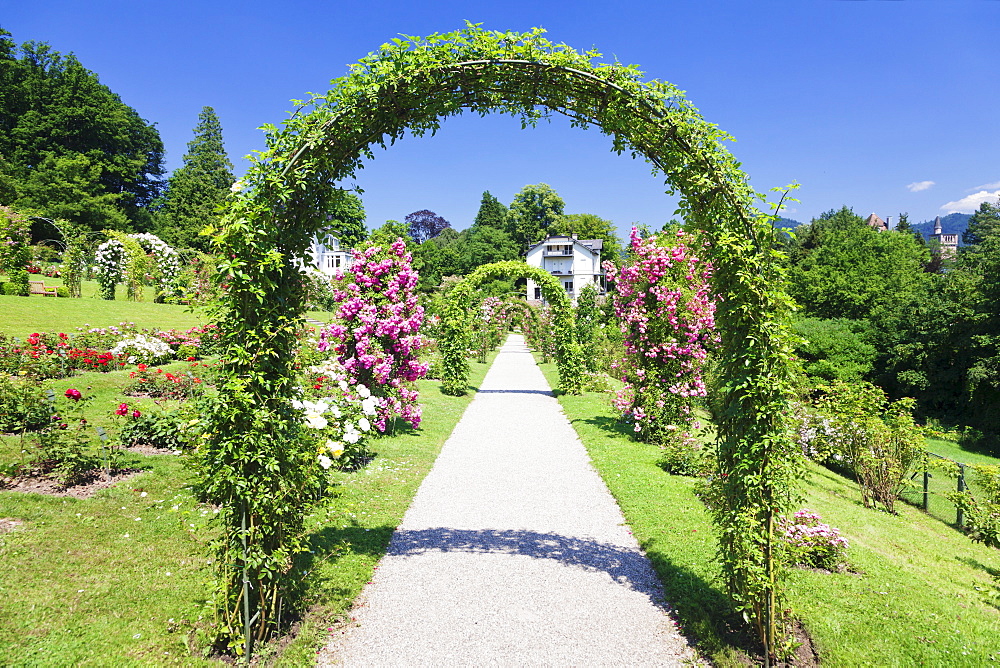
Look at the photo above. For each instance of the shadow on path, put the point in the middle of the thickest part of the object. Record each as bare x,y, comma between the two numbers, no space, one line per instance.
547,393
626,566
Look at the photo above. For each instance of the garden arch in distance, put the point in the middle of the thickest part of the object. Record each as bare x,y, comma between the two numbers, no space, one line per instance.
412,85
454,343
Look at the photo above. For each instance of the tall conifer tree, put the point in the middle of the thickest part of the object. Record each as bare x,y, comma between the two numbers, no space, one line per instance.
198,187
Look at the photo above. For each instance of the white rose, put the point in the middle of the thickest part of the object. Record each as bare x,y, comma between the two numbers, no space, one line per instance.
364,392
325,461
364,424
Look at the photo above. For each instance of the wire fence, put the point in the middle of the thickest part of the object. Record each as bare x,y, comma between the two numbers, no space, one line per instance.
930,484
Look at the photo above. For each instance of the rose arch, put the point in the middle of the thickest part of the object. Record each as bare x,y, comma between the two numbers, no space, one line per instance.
254,469
454,343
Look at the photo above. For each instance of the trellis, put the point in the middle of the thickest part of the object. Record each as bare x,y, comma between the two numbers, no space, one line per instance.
411,86
454,343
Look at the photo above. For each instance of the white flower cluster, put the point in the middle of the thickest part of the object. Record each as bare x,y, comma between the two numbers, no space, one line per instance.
342,418
140,349
110,262
167,259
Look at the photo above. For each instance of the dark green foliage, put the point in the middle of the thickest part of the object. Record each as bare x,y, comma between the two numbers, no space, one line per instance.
842,268
589,226
837,349
165,430
347,219
486,245
983,223
70,147
23,405
492,213
534,210
198,188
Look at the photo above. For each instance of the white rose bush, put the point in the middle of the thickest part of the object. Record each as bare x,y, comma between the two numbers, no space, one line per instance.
338,417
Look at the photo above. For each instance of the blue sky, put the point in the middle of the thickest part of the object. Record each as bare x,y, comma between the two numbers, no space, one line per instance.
885,106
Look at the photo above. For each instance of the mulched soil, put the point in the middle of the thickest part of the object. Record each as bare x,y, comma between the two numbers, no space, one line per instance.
94,481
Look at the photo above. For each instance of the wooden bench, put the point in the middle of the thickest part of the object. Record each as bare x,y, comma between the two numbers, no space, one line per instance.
38,288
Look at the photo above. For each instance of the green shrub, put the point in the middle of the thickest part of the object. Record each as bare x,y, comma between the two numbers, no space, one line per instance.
875,439
12,289
168,430
23,405
62,291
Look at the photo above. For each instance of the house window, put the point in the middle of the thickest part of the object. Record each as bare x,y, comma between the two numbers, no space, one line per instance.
337,262
329,261
538,293
569,286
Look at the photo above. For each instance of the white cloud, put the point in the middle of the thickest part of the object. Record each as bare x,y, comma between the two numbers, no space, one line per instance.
917,186
970,203
986,186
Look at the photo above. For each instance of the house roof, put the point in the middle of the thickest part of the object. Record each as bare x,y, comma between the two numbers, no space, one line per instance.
877,223
589,244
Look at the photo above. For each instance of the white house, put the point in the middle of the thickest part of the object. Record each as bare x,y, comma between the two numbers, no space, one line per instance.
575,262
327,257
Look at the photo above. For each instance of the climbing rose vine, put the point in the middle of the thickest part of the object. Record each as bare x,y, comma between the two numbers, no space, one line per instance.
376,334
666,310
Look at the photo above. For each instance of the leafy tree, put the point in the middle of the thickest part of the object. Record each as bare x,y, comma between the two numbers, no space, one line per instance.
589,226
983,222
837,349
485,245
68,186
842,268
199,187
54,113
533,212
424,225
904,226
388,233
347,219
492,213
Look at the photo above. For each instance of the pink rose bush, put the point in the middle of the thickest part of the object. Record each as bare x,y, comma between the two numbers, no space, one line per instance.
666,310
813,543
376,335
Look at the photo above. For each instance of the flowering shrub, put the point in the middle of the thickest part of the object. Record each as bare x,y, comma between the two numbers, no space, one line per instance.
168,264
162,384
142,349
125,257
110,263
376,335
337,415
810,542
854,426
666,312
65,448
15,249
492,322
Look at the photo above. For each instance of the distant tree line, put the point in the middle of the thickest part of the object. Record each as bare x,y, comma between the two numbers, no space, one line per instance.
887,307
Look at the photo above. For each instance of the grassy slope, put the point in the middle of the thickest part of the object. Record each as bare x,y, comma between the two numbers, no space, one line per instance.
926,595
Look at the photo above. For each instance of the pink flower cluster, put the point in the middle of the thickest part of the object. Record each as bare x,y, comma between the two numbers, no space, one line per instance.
666,310
813,543
376,334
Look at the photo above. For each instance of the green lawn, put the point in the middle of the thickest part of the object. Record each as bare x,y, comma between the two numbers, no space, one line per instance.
24,315
923,593
123,578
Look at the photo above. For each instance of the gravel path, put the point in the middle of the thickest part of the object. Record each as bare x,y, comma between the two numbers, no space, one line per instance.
513,551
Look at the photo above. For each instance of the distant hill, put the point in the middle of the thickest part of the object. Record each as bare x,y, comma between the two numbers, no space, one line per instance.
786,223
953,223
